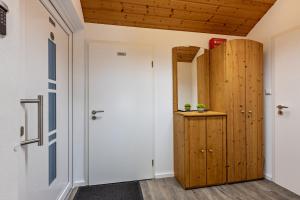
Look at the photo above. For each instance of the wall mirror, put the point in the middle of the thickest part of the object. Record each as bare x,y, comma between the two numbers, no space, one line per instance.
190,77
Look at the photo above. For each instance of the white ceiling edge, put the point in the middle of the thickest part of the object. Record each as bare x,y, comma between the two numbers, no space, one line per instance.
71,12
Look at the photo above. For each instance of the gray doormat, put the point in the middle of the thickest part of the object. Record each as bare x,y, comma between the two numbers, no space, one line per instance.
115,191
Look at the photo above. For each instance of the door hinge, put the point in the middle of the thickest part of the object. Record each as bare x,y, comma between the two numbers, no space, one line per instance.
152,64
152,163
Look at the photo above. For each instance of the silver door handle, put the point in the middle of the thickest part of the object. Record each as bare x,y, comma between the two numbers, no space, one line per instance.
280,107
94,112
38,101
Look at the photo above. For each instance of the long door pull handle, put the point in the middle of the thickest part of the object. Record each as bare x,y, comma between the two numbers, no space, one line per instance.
39,102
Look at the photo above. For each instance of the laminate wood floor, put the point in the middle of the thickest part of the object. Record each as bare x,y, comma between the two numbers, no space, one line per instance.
169,189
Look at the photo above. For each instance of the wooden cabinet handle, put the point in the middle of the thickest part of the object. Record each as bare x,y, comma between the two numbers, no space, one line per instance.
202,151
210,150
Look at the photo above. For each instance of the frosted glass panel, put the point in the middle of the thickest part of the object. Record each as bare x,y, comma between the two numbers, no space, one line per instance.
52,162
52,86
51,60
52,111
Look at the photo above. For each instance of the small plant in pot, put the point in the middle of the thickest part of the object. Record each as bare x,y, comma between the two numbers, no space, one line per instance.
201,107
187,107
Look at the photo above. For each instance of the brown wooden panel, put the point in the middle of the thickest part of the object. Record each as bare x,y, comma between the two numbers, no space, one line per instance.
216,167
235,17
203,78
197,134
218,100
254,102
236,119
186,54
186,153
175,79
179,151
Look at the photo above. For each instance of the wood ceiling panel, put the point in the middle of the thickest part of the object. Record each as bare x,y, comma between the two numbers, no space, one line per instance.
230,17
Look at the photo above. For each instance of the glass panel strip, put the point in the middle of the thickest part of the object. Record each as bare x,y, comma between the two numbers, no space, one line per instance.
52,111
52,163
51,60
52,137
52,86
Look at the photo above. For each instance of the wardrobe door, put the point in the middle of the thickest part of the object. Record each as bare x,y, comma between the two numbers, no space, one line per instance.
197,145
216,150
235,99
254,104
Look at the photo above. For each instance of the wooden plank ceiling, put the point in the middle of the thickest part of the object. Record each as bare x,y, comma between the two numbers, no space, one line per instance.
186,54
229,17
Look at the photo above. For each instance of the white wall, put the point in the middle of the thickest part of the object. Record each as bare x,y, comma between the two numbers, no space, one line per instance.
162,41
10,109
284,15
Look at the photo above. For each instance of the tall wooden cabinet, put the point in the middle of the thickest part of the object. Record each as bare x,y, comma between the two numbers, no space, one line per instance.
236,88
200,148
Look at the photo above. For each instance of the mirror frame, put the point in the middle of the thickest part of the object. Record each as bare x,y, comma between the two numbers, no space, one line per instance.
187,54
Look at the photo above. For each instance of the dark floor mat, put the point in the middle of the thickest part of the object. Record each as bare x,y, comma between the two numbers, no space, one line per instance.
116,191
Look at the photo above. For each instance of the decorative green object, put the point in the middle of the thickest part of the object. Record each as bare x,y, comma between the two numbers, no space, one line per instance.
187,107
201,107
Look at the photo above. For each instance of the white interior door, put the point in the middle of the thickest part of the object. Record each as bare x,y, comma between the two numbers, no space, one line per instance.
121,137
287,134
44,166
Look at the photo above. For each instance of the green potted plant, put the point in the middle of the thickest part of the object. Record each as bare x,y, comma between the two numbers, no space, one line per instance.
187,107
201,107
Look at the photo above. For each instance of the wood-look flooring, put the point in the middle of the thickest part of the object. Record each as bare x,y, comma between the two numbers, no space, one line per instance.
169,189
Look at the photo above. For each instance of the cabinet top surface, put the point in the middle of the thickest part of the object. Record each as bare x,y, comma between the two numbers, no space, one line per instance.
203,114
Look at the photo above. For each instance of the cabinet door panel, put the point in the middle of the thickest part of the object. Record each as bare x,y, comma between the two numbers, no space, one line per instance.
197,133
235,108
216,145
254,104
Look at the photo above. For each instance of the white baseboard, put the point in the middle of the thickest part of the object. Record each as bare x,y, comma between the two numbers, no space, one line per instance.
269,177
79,183
164,175
65,194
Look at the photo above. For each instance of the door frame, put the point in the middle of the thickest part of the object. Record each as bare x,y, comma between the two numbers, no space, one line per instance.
54,13
273,99
87,43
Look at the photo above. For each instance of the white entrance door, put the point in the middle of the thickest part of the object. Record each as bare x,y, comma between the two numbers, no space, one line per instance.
44,156
287,133
121,137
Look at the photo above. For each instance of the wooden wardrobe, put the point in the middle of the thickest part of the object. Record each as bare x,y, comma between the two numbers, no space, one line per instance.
236,88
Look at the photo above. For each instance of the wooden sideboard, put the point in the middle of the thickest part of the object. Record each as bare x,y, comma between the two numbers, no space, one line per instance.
200,148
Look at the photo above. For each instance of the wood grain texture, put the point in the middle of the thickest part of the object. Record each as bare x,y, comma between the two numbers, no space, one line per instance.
231,17
216,162
169,189
179,148
175,79
203,78
186,54
197,152
201,114
254,125
236,88
200,150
